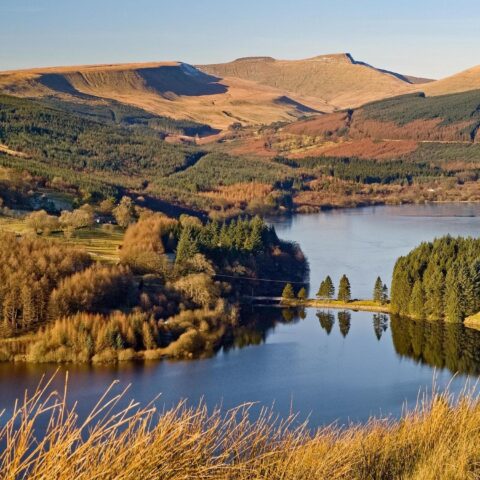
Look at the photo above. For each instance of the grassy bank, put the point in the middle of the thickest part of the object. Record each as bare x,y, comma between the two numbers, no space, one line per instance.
434,441
357,305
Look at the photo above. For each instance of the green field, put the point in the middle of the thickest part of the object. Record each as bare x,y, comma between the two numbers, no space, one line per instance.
100,243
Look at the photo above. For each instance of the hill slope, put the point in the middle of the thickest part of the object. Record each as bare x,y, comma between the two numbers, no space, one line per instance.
461,82
337,79
170,89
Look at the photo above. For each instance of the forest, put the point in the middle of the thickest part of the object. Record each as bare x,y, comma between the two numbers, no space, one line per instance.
111,150
438,280
174,292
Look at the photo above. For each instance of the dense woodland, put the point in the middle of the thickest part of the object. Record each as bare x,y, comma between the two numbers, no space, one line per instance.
72,147
438,280
173,294
449,109
102,151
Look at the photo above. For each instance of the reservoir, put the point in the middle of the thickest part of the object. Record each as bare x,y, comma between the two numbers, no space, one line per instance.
326,365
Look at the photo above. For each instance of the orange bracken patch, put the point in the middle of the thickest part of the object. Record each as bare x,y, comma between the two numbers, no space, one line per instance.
319,126
239,192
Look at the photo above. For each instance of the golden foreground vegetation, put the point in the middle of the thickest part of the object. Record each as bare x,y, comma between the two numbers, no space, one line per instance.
42,438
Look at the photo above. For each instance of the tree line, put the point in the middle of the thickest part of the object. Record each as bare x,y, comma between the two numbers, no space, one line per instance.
326,291
438,280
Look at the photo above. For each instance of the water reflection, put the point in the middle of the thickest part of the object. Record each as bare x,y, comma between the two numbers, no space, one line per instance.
256,323
437,344
344,322
380,324
327,320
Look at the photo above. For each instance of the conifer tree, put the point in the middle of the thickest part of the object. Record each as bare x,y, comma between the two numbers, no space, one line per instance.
378,290
384,294
326,290
344,290
288,293
401,287
187,246
253,242
434,287
302,294
417,301
453,297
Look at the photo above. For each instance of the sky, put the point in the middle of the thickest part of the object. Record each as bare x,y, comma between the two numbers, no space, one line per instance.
431,38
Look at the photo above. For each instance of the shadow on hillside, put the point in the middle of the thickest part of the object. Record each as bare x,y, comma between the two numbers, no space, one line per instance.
58,83
284,100
181,80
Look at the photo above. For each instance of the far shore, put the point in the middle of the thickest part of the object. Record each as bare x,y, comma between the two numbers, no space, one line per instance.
472,322
358,305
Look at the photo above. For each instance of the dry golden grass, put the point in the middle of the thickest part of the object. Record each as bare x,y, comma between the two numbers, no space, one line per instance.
162,88
332,78
437,440
460,82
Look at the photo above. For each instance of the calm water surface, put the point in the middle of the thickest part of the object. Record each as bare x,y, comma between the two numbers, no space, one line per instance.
326,365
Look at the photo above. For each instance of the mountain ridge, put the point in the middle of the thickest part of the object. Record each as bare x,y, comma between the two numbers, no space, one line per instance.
254,90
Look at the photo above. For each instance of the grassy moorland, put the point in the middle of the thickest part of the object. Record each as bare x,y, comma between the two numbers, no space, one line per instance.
437,439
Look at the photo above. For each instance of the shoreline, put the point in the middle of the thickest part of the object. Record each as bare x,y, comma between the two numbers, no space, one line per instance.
355,305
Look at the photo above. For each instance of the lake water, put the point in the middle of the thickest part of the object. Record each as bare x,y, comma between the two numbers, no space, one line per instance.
328,366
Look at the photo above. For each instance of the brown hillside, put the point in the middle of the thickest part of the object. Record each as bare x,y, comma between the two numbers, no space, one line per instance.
337,79
461,82
172,89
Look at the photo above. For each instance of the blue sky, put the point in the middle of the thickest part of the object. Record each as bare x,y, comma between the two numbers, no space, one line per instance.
422,37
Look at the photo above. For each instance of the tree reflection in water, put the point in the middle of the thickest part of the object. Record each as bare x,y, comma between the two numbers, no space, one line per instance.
438,344
327,320
380,324
344,322
255,324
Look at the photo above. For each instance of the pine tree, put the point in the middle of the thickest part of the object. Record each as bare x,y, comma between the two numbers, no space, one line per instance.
326,290
475,292
302,294
253,242
344,290
378,290
187,246
416,307
288,293
453,297
401,287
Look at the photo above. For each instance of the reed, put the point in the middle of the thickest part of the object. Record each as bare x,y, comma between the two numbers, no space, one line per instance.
436,440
